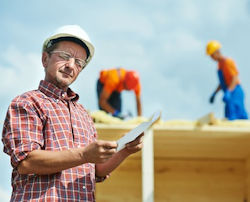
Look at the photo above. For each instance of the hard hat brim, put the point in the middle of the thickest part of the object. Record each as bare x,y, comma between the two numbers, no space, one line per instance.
61,35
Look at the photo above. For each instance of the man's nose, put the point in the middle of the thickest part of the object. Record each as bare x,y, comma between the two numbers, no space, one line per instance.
71,62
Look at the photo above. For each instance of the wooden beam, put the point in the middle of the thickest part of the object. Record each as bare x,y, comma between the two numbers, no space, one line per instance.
148,167
247,184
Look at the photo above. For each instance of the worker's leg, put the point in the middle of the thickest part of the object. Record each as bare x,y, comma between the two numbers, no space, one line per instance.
238,100
115,101
234,108
230,112
99,88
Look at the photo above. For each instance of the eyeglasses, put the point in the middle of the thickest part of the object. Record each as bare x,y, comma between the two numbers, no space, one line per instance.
80,64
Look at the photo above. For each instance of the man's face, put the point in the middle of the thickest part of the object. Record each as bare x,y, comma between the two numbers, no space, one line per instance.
63,72
216,55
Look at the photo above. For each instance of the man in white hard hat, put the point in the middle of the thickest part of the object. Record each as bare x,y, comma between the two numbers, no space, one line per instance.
51,139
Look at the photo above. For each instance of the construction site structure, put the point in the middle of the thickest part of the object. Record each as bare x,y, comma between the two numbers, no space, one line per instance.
204,160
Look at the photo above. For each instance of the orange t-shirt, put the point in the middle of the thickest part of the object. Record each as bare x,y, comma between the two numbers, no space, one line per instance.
229,70
113,80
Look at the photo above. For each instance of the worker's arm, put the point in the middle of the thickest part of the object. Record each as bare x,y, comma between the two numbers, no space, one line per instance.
211,99
138,105
103,102
48,162
217,89
103,169
234,82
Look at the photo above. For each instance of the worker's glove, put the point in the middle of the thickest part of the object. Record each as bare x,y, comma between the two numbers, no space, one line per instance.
119,115
227,96
211,99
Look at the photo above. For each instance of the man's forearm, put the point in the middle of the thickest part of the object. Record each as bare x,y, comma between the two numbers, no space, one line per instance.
218,89
49,162
107,107
138,105
106,168
233,83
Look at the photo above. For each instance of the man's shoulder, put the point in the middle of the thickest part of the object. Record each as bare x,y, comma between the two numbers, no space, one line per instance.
230,63
28,97
229,60
81,107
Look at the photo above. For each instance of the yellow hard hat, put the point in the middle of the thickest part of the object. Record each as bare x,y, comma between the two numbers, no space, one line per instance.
213,46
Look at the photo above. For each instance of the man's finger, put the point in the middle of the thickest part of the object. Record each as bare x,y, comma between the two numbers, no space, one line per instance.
108,144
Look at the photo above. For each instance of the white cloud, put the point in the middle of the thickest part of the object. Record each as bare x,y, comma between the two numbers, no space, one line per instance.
125,19
21,72
227,12
164,36
180,41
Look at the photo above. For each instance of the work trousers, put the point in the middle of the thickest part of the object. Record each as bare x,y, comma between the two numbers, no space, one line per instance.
114,100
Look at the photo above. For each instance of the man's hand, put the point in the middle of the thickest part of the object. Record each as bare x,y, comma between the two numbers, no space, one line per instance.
135,145
99,151
102,169
119,115
211,99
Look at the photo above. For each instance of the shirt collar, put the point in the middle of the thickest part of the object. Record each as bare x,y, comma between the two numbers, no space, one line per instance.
53,91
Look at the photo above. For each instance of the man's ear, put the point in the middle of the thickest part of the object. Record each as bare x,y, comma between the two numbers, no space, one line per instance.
45,59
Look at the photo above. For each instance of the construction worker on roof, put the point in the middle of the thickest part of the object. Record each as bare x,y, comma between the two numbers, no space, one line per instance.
228,82
111,83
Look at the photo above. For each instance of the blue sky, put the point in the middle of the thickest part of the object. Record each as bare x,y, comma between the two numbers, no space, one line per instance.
163,40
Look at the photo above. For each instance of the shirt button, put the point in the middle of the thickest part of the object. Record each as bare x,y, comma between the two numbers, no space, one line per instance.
84,187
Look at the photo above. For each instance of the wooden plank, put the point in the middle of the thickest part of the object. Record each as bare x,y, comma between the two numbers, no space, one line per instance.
201,144
123,185
192,143
199,180
110,133
247,180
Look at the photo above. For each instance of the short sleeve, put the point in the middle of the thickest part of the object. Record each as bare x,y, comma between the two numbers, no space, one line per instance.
111,82
22,131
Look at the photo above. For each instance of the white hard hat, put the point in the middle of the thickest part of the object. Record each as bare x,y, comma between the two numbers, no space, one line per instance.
71,31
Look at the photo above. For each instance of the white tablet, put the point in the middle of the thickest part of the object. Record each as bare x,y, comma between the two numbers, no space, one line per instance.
133,134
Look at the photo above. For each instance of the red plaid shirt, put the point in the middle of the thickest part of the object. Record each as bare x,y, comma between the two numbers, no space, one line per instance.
49,119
